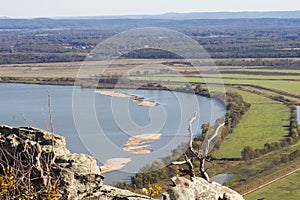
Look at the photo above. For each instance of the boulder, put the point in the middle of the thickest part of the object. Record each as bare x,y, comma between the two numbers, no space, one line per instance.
199,188
45,157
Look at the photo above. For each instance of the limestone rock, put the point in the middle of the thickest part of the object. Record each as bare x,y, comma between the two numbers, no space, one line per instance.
40,151
199,188
111,193
45,155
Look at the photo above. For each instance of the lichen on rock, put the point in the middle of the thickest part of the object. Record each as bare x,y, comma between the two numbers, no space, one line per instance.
199,188
44,153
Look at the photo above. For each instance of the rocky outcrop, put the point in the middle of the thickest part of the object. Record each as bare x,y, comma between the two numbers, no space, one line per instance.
107,192
41,158
199,188
45,158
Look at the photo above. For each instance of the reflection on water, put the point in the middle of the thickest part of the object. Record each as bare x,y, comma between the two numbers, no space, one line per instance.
298,114
221,178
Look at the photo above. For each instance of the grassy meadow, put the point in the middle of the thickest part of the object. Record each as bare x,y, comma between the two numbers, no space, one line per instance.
286,188
265,122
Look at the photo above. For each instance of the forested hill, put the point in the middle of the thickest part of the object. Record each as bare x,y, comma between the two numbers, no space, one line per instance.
199,15
123,24
66,40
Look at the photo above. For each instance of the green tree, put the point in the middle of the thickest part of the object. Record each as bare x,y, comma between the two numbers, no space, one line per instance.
248,153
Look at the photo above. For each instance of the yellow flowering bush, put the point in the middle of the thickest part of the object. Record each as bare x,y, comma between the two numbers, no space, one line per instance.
152,190
9,189
6,182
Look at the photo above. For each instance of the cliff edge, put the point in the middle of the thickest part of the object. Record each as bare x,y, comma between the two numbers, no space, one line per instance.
40,160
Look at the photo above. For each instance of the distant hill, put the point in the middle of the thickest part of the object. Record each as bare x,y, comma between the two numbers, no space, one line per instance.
122,24
203,15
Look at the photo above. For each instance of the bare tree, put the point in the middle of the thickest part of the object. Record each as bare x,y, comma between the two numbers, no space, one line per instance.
27,166
202,154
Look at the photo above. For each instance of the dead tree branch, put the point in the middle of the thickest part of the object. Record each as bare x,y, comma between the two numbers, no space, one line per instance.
201,154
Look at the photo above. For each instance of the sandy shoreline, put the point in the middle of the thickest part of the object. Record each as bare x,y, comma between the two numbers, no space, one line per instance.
148,103
114,94
139,144
114,164
124,95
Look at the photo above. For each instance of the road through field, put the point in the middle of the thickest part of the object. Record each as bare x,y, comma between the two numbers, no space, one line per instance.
273,178
270,182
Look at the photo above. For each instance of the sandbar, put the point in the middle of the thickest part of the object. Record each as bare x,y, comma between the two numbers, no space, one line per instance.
114,94
148,103
114,164
124,95
139,144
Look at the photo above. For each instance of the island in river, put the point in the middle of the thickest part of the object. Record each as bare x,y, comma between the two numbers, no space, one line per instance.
142,101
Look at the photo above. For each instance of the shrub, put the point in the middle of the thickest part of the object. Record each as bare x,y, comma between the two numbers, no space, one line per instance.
248,153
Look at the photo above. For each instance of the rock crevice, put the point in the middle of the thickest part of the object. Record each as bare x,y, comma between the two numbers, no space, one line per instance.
41,153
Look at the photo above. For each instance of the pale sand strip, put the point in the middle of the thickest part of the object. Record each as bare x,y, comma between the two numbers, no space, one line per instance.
129,148
114,94
136,144
140,151
148,136
148,103
114,164
124,95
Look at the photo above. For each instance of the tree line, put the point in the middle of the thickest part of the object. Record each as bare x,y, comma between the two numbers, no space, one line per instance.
156,172
249,153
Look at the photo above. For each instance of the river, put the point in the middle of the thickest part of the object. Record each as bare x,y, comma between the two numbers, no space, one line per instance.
298,114
27,105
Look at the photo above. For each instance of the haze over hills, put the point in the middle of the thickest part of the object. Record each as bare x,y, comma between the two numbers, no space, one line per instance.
178,21
68,39
194,15
203,15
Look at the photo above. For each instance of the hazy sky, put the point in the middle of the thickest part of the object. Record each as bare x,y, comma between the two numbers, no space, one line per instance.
49,8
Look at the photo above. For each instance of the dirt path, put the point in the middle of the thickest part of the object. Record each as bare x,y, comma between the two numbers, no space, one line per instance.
272,181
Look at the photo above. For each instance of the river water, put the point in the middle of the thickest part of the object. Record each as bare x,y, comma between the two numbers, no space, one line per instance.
27,105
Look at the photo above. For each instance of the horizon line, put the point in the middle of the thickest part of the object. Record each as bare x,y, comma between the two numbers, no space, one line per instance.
147,14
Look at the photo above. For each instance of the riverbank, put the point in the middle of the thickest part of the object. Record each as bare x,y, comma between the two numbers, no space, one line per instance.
72,82
39,81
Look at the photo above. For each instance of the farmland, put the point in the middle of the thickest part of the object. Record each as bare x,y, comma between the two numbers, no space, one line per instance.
264,71
265,122
285,186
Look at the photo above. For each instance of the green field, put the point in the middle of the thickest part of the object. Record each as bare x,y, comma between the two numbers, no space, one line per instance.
265,121
262,77
289,86
286,188
272,70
